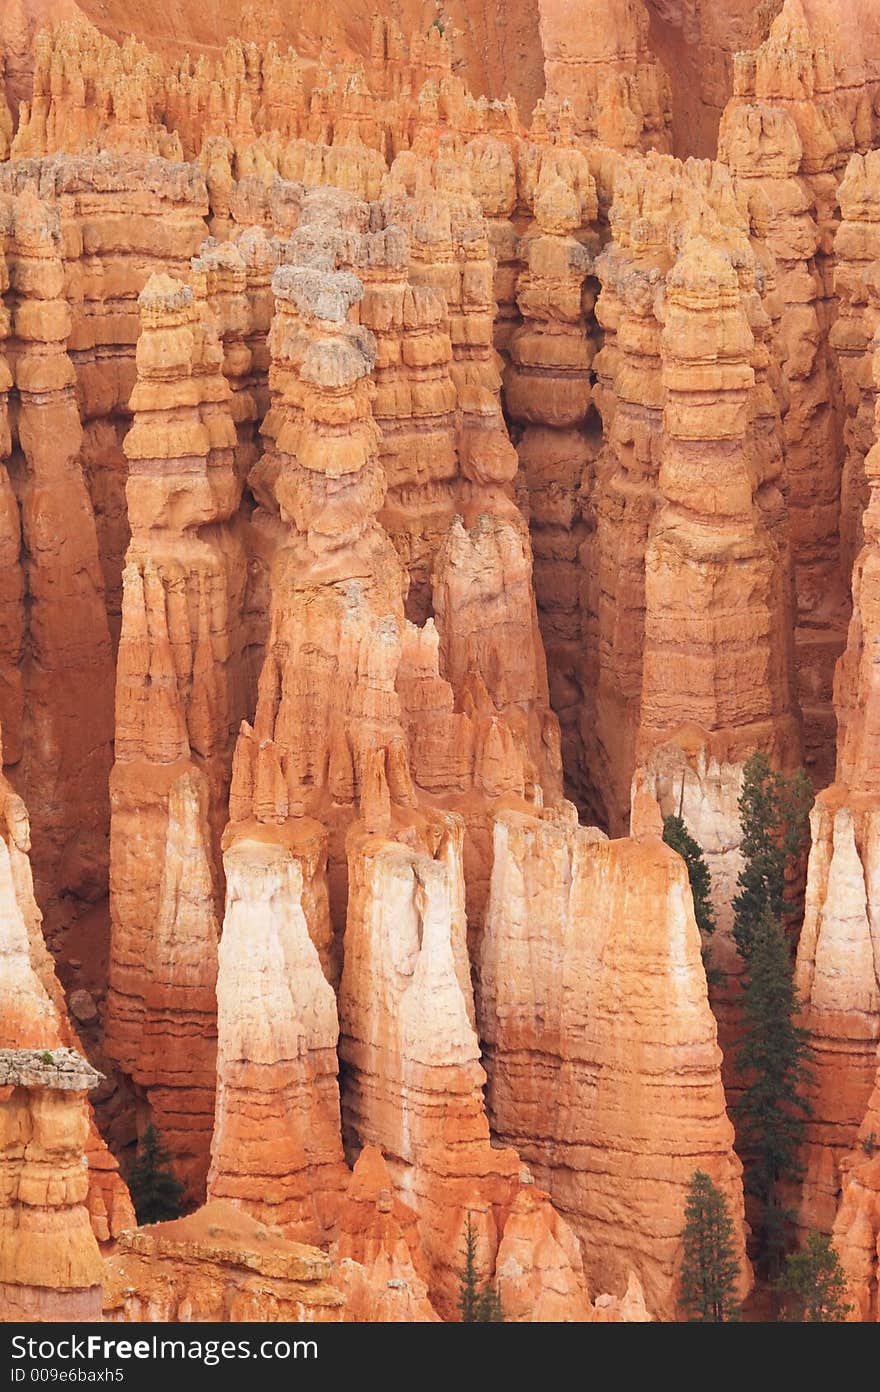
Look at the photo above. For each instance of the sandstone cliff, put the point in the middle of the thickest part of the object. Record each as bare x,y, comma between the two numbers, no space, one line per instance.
382,466
838,965
612,1091
49,1260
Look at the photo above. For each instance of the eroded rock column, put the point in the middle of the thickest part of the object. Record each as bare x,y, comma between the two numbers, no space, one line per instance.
612,1092
50,1267
181,692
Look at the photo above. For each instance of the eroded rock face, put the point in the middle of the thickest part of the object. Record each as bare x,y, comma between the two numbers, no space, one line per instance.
597,57
837,979
219,1264
687,487
612,1093
500,57
276,1148
33,1016
382,1268
539,1268
61,741
547,393
786,135
49,1260
838,964
856,1230
180,697
713,551
851,335
401,462
413,1075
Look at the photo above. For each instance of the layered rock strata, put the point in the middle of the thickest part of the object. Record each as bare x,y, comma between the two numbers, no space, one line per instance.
33,1012
50,1267
613,1105
409,1047
123,217
597,58
855,252
838,964
181,692
787,135
297,506
276,1149
63,745
719,602
838,981
856,1232
219,1265
547,392
677,396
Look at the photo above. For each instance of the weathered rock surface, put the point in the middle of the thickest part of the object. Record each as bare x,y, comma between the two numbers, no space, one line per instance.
837,976
180,697
539,1268
62,746
50,1266
596,56
838,964
277,1147
33,1016
219,1265
404,461
856,1230
381,1265
786,135
607,1082
410,1050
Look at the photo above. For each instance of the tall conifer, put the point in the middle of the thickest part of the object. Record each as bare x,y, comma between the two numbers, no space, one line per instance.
773,809
813,1285
676,835
469,1291
773,1062
476,1304
710,1270
156,1194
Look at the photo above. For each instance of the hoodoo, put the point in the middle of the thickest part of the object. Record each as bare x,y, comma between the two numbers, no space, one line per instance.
438,453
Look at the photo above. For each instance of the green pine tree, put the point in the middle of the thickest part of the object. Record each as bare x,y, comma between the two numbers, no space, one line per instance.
773,811
156,1194
710,1270
813,1285
469,1291
676,835
489,1306
773,1061
476,1304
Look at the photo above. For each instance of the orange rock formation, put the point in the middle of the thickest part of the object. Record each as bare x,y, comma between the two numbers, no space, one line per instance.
277,1148
380,466
856,1231
50,1267
381,1264
61,738
597,57
838,965
180,696
218,1264
33,1016
612,1091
